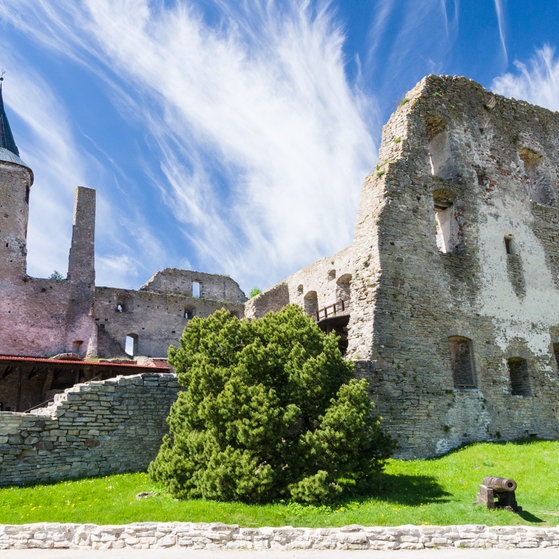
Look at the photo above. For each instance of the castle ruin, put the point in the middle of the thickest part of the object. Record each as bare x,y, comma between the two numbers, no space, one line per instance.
447,300
449,294
73,317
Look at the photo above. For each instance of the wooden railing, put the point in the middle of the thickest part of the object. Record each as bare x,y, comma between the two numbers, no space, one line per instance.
341,307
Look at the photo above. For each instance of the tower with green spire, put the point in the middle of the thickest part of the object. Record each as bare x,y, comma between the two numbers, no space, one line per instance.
16,179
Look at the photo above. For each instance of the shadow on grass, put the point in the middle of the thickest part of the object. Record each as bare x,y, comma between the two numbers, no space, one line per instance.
529,517
404,490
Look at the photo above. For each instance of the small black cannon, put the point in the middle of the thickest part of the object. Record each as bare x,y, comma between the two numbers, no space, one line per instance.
499,488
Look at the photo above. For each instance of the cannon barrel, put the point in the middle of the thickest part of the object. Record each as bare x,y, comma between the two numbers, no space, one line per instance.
499,483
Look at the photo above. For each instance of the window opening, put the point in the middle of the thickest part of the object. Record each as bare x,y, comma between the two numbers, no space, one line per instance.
343,290
188,313
445,223
541,186
332,274
119,307
311,303
131,345
461,357
519,379
509,245
556,354
196,289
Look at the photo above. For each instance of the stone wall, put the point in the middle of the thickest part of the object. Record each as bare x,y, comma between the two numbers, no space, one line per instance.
317,286
461,238
196,284
223,536
154,319
92,429
453,272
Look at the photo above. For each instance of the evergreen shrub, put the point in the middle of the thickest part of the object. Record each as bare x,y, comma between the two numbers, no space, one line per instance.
269,409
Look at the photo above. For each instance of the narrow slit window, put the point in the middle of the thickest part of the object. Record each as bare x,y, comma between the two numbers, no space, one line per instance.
445,223
509,245
556,354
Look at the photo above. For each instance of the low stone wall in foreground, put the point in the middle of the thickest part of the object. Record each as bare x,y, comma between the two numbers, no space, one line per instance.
225,536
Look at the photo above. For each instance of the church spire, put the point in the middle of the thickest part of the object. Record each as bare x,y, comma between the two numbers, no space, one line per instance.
6,137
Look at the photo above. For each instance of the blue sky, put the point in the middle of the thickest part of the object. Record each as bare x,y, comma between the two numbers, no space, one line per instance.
233,136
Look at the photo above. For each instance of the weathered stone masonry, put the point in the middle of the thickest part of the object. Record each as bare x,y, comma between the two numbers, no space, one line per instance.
92,429
454,267
447,299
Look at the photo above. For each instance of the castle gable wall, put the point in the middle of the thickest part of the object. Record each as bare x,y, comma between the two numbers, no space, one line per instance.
461,342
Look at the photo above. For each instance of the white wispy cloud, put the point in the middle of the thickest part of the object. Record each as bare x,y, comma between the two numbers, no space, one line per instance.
501,22
536,81
263,143
49,148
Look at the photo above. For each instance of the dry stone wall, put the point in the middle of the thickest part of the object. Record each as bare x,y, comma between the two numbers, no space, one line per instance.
224,536
95,428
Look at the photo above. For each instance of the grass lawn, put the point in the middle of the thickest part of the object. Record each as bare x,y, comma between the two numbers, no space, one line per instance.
437,491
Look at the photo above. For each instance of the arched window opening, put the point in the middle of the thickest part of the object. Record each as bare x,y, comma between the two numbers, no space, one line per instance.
131,345
311,303
332,275
300,289
188,313
462,362
343,290
119,307
519,377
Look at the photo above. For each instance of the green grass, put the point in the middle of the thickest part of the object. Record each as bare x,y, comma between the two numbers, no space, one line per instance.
437,491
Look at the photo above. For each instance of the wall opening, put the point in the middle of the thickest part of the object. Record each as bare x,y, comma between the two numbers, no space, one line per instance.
311,303
343,290
519,378
510,245
131,345
188,313
541,185
332,274
462,362
76,346
556,354
439,145
446,227
196,289
119,307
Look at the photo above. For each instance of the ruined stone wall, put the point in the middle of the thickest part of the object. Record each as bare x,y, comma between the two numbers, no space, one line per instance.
462,208
155,319
33,317
319,285
186,282
92,429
